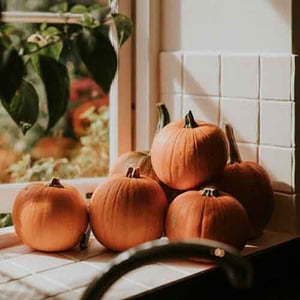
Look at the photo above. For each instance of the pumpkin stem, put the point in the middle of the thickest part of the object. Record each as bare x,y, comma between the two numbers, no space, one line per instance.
190,121
210,192
163,116
234,154
133,172
55,182
129,172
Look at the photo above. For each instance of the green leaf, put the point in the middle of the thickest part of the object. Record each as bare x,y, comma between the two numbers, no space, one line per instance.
57,84
24,106
59,7
11,73
124,27
98,55
53,51
79,9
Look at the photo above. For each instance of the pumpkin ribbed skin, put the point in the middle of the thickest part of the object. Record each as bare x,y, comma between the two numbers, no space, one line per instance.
250,184
49,218
126,211
221,218
184,158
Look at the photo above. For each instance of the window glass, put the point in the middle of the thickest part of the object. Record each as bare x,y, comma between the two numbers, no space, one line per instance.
78,144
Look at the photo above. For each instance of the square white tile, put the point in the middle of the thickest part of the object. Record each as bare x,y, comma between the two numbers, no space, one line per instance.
10,271
248,151
240,76
38,261
276,77
277,119
173,103
201,74
73,275
16,290
284,218
203,108
170,72
42,285
122,289
242,114
279,162
147,275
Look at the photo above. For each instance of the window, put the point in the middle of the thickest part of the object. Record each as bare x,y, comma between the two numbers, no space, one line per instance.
120,115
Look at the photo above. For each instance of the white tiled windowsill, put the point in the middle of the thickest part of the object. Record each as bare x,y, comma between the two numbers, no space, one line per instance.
29,274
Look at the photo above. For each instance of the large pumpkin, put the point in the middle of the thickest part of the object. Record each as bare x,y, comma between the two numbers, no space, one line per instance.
127,210
188,153
50,217
207,214
250,184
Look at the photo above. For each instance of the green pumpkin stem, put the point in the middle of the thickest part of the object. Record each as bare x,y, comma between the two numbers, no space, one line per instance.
133,172
163,116
190,121
55,182
210,192
234,154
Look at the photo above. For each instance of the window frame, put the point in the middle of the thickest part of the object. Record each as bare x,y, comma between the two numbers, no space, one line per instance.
120,105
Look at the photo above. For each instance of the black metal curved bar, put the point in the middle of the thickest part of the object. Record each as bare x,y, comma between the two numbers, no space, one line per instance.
238,269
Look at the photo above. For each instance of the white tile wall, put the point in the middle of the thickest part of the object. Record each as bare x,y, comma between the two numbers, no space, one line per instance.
280,164
240,76
173,103
275,77
203,108
201,74
277,123
248,151
170,72
255,93
242,114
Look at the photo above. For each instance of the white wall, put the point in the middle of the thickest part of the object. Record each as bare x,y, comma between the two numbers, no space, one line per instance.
227,25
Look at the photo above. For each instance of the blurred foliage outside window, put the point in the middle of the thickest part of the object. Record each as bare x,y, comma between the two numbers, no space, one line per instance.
55,106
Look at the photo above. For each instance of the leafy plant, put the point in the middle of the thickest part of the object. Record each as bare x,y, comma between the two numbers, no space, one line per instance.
43,57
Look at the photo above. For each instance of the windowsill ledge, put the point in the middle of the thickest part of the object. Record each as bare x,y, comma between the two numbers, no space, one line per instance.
23,270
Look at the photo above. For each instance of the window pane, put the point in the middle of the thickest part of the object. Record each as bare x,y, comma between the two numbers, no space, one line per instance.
78,144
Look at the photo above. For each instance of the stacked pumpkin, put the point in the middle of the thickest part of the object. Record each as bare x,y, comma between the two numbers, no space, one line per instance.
192,183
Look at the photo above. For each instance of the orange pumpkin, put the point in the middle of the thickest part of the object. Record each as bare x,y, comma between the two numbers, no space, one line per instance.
188,153
250,184
50,217
207,214
127,210
80,123
53,146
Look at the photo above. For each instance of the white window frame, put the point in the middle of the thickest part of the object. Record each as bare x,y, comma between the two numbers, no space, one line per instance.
136,85
120,140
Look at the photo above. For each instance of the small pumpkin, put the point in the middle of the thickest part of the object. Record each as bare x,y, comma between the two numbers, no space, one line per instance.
250,184
127,210
142,159
207,214
188,153
50,217
56,146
